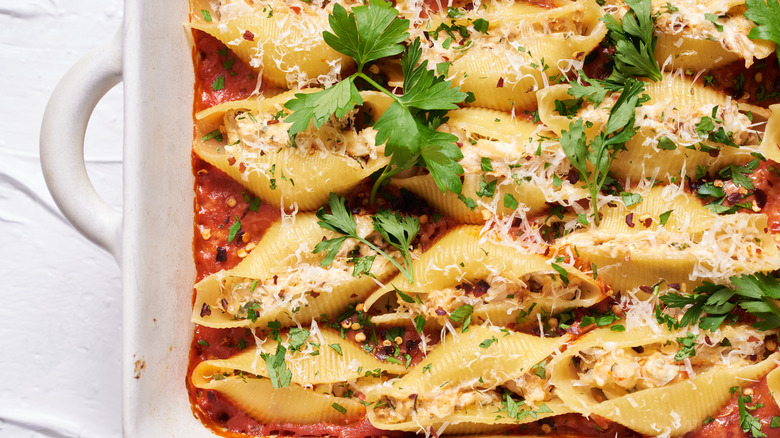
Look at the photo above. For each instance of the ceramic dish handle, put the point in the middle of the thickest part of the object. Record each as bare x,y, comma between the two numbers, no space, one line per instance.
63,130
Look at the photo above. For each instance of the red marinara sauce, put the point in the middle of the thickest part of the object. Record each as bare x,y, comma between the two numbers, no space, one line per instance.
221,77
727,422
766,179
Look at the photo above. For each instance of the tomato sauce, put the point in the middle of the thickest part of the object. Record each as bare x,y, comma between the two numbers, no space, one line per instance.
221,202
221,76
727,423
766,180
758,85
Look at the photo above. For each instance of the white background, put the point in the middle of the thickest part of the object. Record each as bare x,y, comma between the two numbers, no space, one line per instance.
60,296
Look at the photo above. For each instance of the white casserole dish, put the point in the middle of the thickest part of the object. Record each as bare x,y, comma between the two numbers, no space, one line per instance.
152,237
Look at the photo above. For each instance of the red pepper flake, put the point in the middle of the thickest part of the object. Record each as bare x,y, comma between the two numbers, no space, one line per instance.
646,289
231,160
500,83
314,294
440,312
221,254
760,196
276,277
296,9
630,220
647,222
224,303
249,36
733,198
573,176
272,122
714,152
675,286
478,289
205,310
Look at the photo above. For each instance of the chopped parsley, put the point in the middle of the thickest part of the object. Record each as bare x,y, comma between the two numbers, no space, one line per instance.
218,83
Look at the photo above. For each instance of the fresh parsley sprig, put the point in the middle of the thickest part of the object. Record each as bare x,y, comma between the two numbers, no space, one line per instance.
395,229
754,293
408,126
601,151
634,41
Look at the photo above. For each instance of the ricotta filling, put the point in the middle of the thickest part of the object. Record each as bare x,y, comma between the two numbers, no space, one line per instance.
615,372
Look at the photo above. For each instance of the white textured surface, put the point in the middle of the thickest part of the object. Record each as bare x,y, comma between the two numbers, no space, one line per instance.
60,322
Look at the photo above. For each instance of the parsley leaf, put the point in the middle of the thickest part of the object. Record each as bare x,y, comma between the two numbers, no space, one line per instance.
396,230
487,342
754,293
419,323
486,189
634,42
630,199
277,368
539,369
664,143
367,33
336,348
363,265
406,298
486,165
440,154
234,229
399,231
423,89
219,83
562,272
664,217
766,14
215,134
461,312
687,347
739,174
594,92
318,107
481,25
409,138
712,18
511,407
298,337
